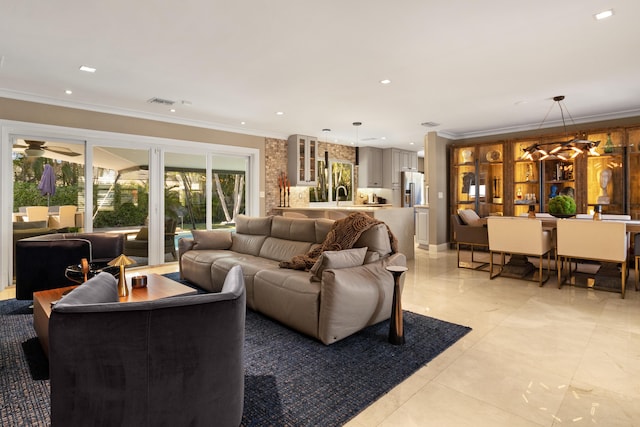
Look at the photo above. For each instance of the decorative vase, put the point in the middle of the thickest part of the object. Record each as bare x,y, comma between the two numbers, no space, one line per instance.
608,146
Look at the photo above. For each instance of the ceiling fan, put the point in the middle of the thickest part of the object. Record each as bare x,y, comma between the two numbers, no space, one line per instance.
37,149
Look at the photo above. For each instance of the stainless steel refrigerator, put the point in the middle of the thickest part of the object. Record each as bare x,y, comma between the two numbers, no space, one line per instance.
413,189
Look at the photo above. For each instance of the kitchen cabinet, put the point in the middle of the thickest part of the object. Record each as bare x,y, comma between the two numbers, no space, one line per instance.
370,167
394,161
302,160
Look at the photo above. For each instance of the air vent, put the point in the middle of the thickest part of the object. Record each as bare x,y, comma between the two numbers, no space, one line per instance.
368,139
430,124
161,101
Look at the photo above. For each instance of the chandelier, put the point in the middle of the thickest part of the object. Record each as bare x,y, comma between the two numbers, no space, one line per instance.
561,150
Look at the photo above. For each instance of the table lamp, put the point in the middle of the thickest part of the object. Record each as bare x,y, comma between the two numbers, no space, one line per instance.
122,261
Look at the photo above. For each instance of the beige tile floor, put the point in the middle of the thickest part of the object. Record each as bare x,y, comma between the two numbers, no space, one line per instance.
536,356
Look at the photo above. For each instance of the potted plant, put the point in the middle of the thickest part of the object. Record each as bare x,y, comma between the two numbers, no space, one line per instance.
562,206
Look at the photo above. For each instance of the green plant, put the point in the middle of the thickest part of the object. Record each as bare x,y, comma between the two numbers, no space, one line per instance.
563,205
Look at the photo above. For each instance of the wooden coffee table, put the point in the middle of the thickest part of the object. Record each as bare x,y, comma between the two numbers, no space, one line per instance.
158,287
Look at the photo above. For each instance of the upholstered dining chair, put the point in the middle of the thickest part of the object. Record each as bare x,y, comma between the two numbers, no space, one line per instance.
605,241
66,217
519,236
37,213
471,236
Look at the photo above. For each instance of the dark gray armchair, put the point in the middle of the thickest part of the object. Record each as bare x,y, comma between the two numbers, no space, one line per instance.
170,362
469,235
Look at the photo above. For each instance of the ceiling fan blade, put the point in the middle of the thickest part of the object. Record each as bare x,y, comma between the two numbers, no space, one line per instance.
61,150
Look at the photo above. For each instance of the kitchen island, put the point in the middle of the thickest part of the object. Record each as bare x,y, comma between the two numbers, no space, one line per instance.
399,220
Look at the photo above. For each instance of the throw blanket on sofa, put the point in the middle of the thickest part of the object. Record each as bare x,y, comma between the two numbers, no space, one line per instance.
344,234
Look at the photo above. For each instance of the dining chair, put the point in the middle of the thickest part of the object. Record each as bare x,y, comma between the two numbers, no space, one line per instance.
520,236
37,213
66,217
471,236
604,241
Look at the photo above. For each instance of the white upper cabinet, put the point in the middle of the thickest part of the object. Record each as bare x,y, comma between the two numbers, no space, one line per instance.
303,161
370,167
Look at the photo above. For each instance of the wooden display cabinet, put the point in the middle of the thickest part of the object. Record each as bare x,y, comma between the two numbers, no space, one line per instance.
525,181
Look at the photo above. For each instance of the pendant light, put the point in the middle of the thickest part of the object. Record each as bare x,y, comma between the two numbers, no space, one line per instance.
561,150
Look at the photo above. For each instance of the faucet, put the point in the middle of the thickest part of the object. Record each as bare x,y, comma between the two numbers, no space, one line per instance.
346,193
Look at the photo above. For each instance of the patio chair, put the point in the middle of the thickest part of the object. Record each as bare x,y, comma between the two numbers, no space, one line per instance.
139,245
37,213
66,217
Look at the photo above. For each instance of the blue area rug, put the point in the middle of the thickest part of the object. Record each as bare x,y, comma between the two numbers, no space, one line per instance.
291,379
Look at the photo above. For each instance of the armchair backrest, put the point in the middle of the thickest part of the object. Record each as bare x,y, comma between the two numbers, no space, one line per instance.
518,235
173,361
597,240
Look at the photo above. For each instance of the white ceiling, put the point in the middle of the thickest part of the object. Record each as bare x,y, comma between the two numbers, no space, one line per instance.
475,67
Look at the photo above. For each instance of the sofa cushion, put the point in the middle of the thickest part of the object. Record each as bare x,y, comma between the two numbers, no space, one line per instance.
298,229
211,239
376,239
470,217
248,243
283,250
337,259
323,225
253,225
288,296
100,289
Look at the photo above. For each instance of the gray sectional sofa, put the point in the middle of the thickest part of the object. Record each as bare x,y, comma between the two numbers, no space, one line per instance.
345,291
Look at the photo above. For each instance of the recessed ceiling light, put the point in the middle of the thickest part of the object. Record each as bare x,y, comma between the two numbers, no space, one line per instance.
430,124
383,138
173,110
68,92
280,113
385,81
604,14
243,123
87,69
411,143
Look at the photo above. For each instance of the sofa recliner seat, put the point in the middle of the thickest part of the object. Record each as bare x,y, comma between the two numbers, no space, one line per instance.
341,302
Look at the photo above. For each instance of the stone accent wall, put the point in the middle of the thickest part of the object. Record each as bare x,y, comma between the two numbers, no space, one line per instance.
276,162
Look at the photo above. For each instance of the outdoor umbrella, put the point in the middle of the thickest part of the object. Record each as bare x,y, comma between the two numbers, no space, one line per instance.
47,185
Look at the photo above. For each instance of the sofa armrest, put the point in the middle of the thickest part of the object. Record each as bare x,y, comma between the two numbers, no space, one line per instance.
185,244
352,298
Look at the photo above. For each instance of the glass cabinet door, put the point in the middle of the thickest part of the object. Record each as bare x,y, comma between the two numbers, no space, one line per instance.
605,174
490,180
464,178
526,180
634,172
